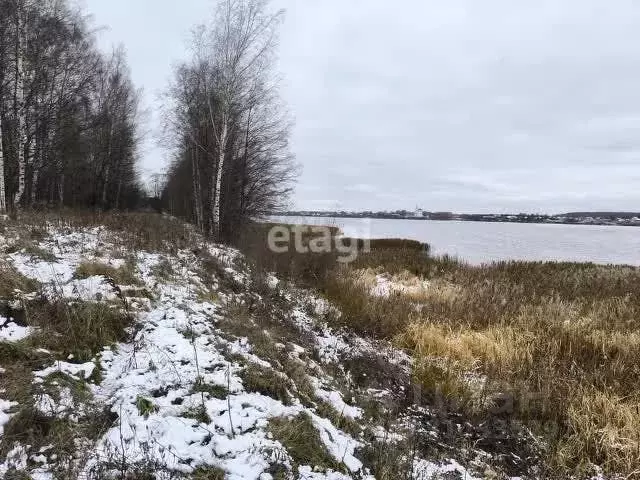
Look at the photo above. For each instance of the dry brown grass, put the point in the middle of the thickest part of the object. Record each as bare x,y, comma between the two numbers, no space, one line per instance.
306,269
373,316
124,275
302,441
136,230
29,247
81,329
11,280
605,429
561,341
266,381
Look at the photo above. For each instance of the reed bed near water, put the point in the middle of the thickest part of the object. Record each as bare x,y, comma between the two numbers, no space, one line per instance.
560,340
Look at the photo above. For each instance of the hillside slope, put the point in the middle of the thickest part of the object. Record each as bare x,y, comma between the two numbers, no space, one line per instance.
174,359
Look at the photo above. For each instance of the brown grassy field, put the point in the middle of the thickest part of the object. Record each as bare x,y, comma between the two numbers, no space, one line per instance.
554,345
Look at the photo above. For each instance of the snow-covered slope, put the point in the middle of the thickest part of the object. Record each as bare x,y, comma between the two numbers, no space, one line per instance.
223,374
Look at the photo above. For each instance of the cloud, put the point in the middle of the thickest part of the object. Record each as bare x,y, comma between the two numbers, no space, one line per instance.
362,188
457,105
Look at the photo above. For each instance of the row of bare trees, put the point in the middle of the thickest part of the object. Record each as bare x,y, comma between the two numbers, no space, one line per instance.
68,113
229,128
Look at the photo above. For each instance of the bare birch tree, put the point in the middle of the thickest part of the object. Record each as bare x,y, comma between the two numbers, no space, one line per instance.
18,102
237,50
228,126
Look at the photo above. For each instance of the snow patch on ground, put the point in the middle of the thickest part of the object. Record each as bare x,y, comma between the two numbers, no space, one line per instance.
94,288
49,406
77,371
4,416
45,272
163,364
11,332
386,286
336,401
425,470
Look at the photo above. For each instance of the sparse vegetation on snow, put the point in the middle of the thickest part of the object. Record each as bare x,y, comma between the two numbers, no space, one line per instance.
215,370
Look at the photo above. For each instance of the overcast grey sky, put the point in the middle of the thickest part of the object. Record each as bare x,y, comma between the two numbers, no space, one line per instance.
450,105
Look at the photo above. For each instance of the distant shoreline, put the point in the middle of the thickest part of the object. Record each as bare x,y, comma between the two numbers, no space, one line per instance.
625,219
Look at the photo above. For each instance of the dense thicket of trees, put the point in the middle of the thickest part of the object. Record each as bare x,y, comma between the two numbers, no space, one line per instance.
229,129
68,113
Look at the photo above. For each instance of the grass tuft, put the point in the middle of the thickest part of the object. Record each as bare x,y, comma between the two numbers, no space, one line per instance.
266,381
302,441
124,275
163,269
11,280
340,421
145,406
215,391
199,413
80,329
40,253
208,473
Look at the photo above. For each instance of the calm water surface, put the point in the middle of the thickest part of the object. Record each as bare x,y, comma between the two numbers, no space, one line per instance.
479,242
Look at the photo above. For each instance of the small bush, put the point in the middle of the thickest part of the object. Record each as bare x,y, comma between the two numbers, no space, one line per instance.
163,269
198,413
216,269
137,292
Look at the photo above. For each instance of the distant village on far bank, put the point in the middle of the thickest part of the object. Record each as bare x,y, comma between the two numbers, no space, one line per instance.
581,218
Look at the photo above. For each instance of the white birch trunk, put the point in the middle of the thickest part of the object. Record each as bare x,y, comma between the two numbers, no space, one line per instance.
20,107
218,188
3,201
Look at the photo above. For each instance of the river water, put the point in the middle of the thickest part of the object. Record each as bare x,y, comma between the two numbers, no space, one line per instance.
483,242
